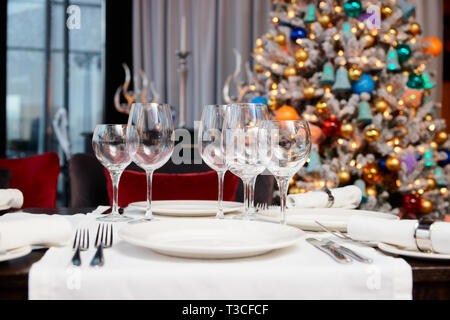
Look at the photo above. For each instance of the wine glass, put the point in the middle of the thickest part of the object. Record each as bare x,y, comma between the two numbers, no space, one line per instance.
210,145
109,144
286,148
150,141
241,143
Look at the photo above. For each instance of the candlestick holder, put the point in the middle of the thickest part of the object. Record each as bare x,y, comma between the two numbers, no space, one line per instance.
183,70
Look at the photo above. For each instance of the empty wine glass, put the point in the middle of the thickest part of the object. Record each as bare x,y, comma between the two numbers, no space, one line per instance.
241,143
150,141
287,147
109,144
210,145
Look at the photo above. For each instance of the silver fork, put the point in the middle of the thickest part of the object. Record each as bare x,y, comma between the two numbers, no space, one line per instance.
103,240
80,243
342,236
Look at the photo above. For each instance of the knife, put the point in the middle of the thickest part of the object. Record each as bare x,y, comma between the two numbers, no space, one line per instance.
346,251
329,250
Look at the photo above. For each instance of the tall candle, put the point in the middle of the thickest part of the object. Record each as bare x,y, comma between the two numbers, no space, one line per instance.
183,34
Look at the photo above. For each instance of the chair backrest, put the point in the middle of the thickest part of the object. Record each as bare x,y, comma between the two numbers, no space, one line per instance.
5,178
36,177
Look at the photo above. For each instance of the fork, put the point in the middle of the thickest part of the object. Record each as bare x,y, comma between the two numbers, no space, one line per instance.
103,240
342,236
80,243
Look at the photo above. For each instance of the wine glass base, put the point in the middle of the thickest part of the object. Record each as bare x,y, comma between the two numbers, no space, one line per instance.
242,216
143,220
114,218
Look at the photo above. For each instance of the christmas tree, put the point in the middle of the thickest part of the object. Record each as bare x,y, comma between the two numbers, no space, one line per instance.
357,71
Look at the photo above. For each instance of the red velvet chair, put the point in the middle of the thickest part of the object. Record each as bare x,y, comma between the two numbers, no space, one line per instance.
166,186
36,177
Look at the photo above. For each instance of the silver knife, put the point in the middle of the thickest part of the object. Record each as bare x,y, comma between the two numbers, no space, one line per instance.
358,257
329,250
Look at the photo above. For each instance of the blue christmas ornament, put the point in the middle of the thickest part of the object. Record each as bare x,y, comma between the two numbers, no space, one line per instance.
342,81
365,84
261,100
362,186
353,8
314,165
407,9
328,76
444,162
298,33
382,165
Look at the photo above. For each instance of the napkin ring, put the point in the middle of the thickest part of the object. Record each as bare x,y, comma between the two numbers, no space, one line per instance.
422,235
330,197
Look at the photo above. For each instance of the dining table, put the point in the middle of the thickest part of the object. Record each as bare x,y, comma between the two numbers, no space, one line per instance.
431,279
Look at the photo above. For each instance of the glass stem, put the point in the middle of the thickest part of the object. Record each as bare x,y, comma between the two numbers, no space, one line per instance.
251,197
283,184
115,178
221,176
246,202
148,212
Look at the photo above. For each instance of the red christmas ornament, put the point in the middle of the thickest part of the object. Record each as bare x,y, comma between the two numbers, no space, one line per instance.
331,127
411,205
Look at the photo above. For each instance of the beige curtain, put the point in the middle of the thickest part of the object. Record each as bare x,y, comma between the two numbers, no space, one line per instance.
214,28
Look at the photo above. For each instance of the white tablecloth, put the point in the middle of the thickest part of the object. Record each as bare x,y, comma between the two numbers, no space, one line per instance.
299,272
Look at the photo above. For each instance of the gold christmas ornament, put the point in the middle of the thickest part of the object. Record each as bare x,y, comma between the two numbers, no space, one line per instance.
386,11
426,206
294,190
291,182
290,71
324,20
381,105
301,55
322,107
434,145
309,92
344,177
371,173
347,129
258,50
371,191
414,28
280,39
269,36
393,163
431,184
372,134
354,73
441,137
393,31
258,68
429,117
401,131
370,40
272,103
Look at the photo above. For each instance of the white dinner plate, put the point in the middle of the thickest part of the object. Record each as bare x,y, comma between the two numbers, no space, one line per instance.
15,253
210,238
412,254
188,208
335,218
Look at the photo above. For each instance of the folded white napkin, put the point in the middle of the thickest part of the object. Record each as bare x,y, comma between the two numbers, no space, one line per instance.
398,232
346,197
11,198
22,229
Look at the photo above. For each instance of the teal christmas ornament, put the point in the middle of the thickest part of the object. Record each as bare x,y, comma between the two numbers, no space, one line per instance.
347,30
429,158
362,186
261,100
342,81
407,9
328,75
404,52
393,63
314,165
310,14
415,81
364,113
439,176
353,8
365,84
298,33
428,80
